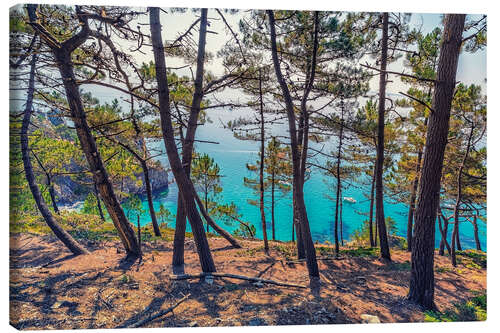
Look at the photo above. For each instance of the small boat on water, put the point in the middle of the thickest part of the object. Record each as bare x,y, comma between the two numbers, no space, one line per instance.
350,199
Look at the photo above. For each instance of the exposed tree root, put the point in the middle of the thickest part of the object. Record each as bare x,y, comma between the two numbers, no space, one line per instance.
234,276
157,315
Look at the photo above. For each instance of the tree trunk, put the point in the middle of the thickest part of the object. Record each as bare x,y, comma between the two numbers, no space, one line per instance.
52,194
454,237
444,235
341,221
210,222
373,238
379,186
139,233
206,205
186,187
60,233
312,264
188,140
149,193
459,244
272,208
339,184
414,190
476,233
413,197
89,147
98,199
261,169
301,251
422,255
180,233
62,54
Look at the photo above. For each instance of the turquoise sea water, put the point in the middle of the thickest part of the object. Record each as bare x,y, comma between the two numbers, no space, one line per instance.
232,155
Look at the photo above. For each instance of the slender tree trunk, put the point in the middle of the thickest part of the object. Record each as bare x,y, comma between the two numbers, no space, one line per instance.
379,186
139,233
149,193
60,233
272,208
422,255
206,205
341,221
305,231
443,228
50,185
339,184
261,169
459,244
188,140
98,199
413,197
476,233
414,190
233,241
180,218
186,187
301,251
52,194
373,238
454,237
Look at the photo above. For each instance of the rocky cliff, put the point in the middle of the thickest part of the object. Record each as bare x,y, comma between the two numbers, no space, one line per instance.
69,191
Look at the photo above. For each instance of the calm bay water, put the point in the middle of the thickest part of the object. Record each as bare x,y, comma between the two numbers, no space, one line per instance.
232,155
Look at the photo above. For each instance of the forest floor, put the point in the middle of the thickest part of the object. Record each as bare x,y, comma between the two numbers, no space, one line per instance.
51,289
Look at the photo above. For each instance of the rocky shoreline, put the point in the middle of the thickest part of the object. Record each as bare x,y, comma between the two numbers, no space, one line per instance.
71,194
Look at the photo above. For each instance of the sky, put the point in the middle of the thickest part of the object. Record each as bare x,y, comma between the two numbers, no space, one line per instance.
471,68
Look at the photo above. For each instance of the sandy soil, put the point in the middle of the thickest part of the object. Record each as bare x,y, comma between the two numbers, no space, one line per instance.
51,289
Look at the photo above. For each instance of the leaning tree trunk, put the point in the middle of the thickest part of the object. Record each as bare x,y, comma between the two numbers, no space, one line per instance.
186,187
89,147
60,233
62,54
149,194
210,222
52,194
50,184
422,254
312,264
379,186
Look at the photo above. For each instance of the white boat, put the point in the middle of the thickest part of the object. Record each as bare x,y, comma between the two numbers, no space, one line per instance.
350,199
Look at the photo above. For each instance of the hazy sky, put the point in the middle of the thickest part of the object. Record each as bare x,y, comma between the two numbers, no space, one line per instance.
472,67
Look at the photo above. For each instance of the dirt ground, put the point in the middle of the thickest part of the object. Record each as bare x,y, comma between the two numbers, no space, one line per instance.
51,289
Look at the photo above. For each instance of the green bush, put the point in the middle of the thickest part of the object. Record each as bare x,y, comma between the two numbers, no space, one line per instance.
471,310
